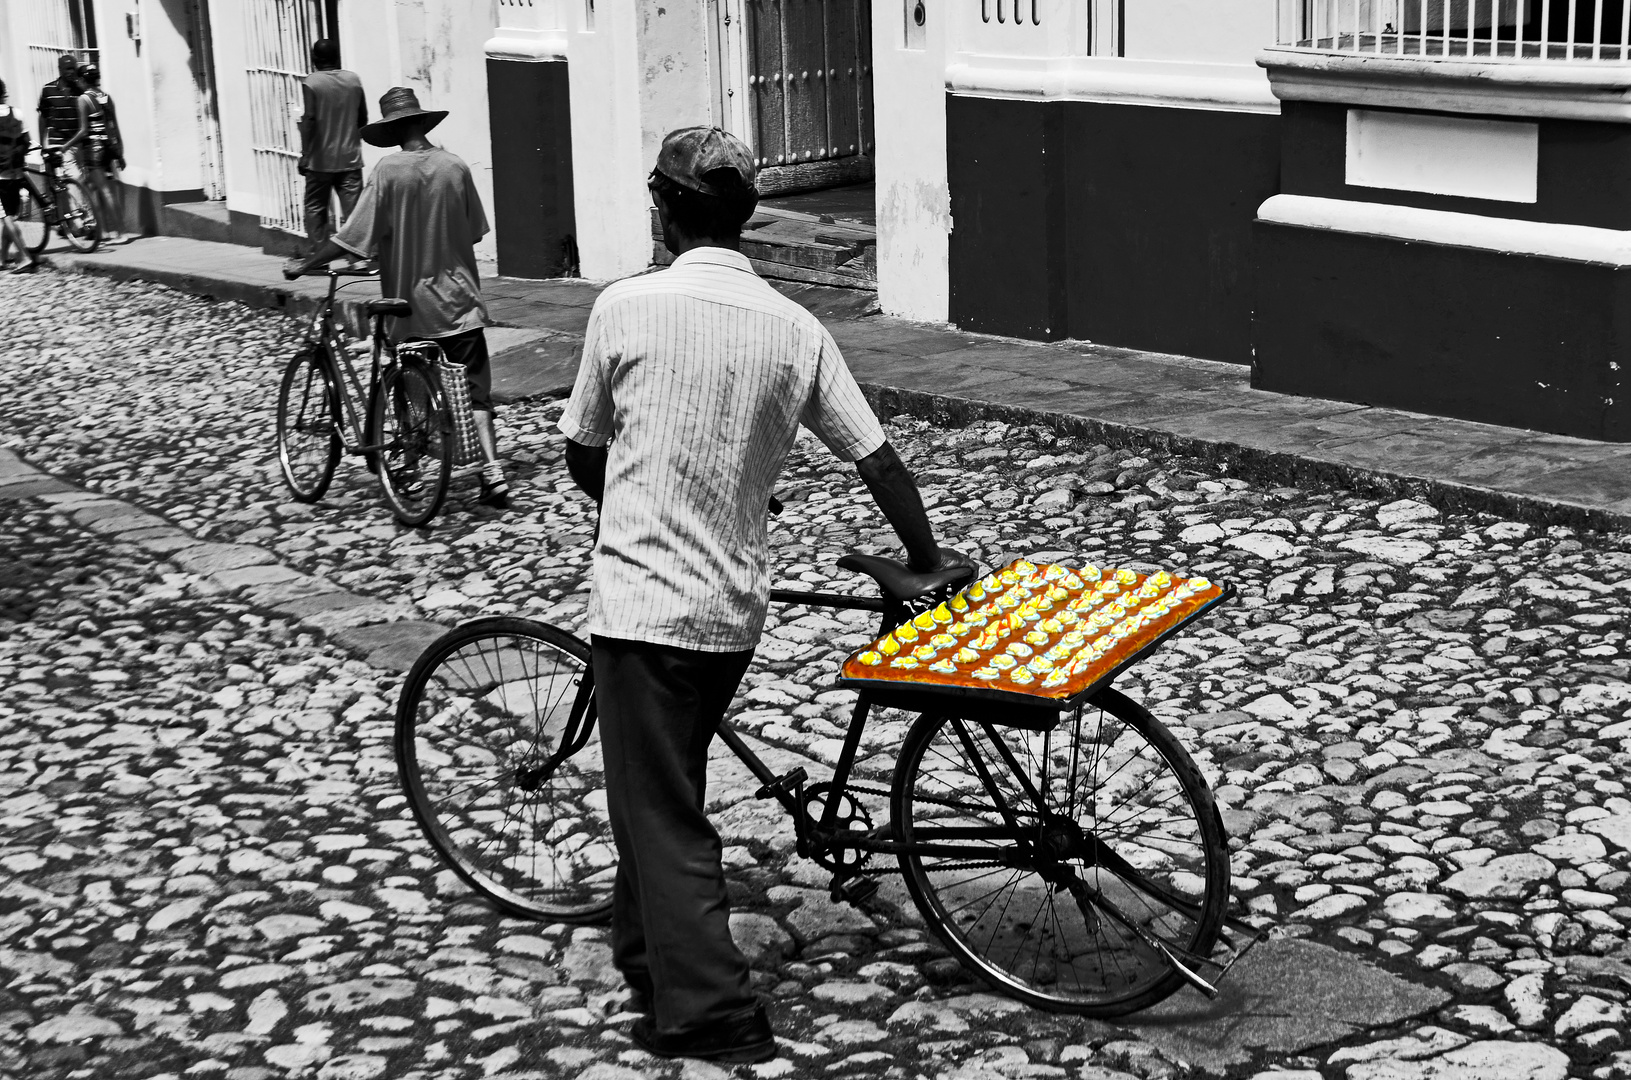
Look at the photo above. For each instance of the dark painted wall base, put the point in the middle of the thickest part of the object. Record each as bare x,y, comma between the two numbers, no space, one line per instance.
531,127
1514,340
1123,224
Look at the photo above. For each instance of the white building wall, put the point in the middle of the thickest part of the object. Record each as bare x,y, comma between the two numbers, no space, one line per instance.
913,199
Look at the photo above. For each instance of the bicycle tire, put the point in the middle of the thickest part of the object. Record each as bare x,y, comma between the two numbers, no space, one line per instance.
415,461
33,219
76,217
1028,906
485,703
308,425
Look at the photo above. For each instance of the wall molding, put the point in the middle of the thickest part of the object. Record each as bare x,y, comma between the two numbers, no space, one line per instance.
1114,80
1574,90
1576,243
533,46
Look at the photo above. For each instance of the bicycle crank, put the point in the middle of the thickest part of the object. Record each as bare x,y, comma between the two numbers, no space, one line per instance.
827,848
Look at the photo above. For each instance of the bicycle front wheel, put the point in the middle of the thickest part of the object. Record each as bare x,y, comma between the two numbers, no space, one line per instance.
76,217
496,748
308,436
415,442
1057,864
32,220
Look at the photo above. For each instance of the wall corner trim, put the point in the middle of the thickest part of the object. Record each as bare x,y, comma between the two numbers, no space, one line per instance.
533,46
1575,243
1114,80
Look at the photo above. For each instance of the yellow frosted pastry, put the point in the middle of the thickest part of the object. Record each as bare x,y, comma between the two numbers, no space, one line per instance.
1040,665
1120,630
942,641
903,662
1101,619
1106,588
985,673
924,652
870,658
987,639
1021,676
991,583
1199,584
1057,593
905,633
1019,649
1003,661
1056,678
1083,603
1067,618
1050,626
945,667
1090,573
889,646
1024,566
1071,582
1008,601
1053,572
1036,637
942,615
1008,577
966,656
1149,590
1075,639
1126,577
976,591
924,621
1060,651
1162,578
1103,643
959,603
959,629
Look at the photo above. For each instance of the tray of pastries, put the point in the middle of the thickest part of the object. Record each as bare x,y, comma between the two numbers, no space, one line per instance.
1033,633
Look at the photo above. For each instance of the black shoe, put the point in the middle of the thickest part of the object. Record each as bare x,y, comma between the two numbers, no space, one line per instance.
494,495
742,1040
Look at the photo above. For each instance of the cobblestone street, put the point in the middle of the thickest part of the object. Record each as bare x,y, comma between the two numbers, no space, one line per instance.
1418,723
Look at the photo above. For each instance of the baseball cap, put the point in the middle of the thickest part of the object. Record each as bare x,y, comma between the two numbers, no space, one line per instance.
693,156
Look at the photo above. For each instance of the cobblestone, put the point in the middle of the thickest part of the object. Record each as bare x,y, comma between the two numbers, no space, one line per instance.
1416,723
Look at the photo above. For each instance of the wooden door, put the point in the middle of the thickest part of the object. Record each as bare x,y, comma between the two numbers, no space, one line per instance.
810,83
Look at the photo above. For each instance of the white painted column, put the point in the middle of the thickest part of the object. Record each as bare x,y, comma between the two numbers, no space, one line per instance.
913,199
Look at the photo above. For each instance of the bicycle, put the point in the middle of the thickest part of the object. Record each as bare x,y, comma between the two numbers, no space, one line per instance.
1071,855
52,200
405,436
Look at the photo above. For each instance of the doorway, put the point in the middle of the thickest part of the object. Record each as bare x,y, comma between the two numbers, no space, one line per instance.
807,69
280,34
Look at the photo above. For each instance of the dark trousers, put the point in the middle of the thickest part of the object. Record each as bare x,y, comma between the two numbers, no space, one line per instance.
321,188
659,708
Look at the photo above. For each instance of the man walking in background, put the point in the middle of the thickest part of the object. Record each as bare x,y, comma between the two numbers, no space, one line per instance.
13,147
330,140
59,103
421,215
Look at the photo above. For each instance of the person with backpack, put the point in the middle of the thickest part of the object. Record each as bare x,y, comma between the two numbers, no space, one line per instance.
99,149
14,144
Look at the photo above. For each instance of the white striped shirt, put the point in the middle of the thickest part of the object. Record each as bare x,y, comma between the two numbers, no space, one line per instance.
698,377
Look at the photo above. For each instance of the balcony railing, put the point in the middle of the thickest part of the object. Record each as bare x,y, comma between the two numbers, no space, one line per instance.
1477,31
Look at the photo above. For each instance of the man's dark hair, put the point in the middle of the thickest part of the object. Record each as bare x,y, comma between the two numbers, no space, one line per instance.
67,64
708,215
325,52
2,89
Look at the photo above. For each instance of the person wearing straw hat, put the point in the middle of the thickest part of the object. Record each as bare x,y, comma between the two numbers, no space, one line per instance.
693,385
421,217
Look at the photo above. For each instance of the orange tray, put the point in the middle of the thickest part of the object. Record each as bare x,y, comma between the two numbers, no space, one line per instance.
1030,635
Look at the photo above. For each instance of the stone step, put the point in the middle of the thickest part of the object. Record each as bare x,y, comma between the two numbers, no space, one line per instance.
206,220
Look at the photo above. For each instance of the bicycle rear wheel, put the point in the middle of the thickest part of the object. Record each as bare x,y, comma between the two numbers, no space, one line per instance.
76,219
496,749
415,441
308,436
31,219
1057,859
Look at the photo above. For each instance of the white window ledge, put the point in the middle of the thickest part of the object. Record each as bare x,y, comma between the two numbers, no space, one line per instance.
526,45
1114,80
1576,243
1568,90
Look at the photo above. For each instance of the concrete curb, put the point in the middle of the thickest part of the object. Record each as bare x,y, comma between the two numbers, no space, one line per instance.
1249,462
384,635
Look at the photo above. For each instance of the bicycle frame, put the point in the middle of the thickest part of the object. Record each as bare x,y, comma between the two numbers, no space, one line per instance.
323,332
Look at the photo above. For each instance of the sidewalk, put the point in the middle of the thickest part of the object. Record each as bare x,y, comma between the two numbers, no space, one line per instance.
1119,396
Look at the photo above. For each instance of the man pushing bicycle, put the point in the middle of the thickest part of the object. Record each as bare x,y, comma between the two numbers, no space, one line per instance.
421,215
693,385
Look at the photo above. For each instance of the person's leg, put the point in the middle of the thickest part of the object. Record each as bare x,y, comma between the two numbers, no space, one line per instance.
319,188
659,709
348,188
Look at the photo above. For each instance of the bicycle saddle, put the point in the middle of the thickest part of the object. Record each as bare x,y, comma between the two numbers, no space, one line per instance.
388,306
898,581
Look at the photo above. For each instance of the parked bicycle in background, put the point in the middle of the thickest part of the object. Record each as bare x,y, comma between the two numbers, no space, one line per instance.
51,201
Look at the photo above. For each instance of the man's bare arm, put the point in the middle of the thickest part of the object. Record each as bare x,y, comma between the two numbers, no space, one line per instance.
586,465
895,492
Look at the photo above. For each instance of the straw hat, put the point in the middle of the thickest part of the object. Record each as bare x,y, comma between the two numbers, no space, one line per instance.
396,105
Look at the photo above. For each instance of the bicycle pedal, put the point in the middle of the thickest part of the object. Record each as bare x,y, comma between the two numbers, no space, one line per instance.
854,891
783,785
